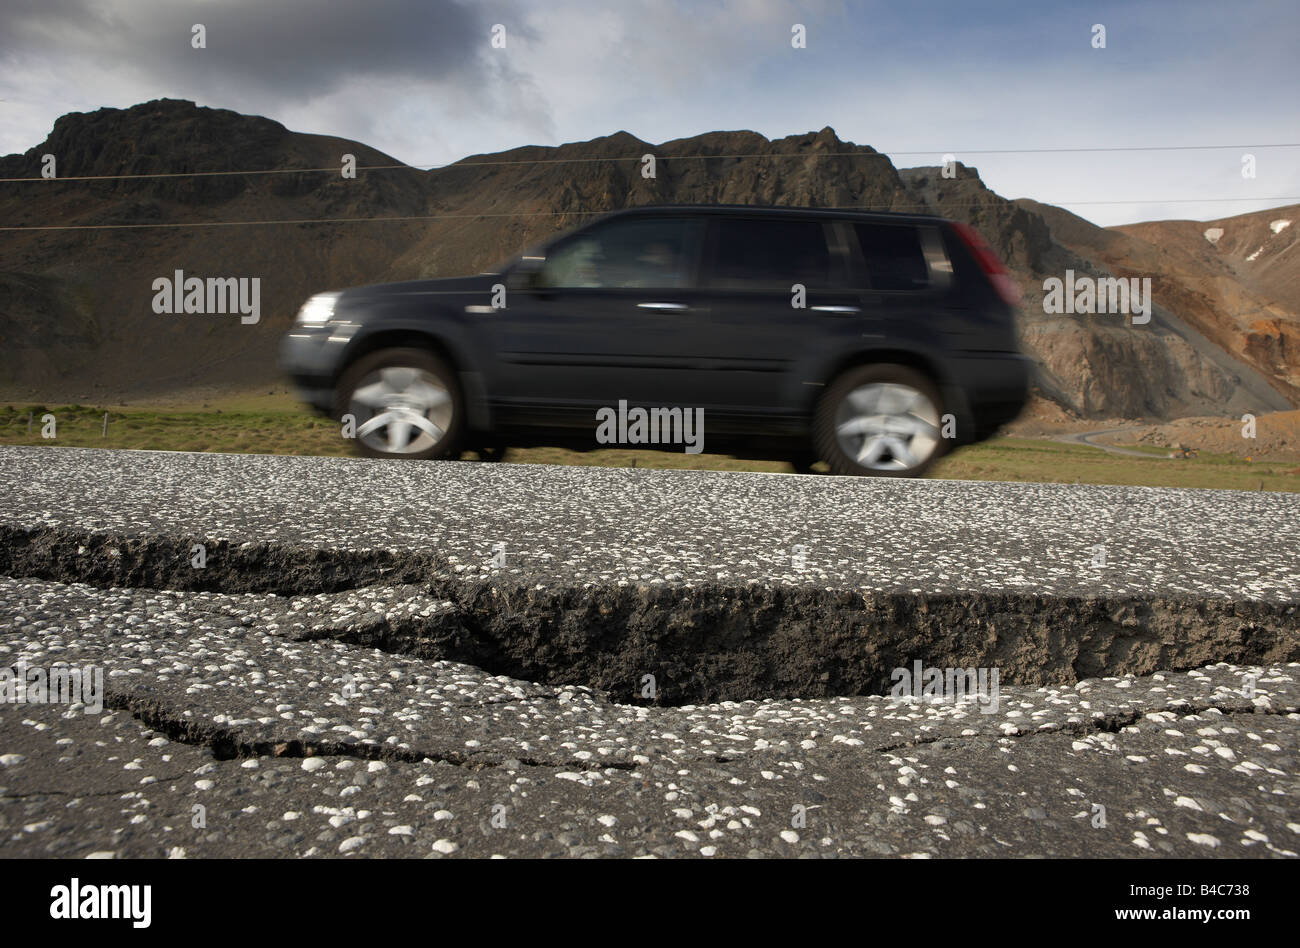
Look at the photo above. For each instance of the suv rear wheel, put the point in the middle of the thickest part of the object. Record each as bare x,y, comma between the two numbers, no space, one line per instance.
406,404
879,420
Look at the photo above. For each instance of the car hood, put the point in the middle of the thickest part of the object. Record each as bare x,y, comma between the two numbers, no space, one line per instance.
479,283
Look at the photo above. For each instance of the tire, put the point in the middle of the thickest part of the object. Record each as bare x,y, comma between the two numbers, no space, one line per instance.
406,403
880,421
803,464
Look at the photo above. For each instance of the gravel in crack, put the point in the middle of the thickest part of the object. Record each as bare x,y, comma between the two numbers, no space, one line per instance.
423,758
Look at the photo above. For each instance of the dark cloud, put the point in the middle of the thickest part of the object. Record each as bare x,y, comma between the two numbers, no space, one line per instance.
297,49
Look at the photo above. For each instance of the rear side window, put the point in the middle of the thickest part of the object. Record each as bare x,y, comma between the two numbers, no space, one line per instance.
756,254
893,257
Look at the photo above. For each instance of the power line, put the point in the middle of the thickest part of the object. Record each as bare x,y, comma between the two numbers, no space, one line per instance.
667,158
589,213
848,154
305,220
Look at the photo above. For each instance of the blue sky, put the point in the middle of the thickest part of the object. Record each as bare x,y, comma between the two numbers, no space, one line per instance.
419,79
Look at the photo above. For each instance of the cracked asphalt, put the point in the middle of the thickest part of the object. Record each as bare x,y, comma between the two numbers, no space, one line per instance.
578,525
296,746
257,724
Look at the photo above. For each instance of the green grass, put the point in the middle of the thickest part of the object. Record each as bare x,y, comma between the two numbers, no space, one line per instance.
275,426
1054,462
234,430
1150,449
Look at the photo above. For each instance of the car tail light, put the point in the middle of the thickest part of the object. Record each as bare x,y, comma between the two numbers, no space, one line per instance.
993,268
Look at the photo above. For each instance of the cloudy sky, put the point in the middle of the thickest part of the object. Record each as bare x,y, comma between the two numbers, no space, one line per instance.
420,80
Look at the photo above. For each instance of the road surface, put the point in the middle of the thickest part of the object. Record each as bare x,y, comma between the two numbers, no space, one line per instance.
664,663
1085,437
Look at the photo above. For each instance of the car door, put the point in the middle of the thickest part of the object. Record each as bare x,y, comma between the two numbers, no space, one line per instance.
602,322
906,279
779,292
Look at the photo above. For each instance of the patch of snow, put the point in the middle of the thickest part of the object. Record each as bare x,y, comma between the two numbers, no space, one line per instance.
1279,225
1255,254
1213,234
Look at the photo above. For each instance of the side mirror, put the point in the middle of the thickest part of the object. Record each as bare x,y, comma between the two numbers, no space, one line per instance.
526,275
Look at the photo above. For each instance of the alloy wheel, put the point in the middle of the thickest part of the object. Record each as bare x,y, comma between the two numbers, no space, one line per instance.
401,409
887,426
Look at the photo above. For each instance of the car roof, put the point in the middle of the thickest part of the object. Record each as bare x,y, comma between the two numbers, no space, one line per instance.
772,210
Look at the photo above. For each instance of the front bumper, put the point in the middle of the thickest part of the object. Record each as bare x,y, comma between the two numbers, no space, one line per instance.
312,356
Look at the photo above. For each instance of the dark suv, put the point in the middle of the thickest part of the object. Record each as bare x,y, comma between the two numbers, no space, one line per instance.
871,341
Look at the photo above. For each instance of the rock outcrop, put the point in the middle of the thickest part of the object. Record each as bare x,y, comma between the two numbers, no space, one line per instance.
76,304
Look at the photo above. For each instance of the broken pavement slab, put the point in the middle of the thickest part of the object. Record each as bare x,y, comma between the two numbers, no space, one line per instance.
724,586
321,748
355,673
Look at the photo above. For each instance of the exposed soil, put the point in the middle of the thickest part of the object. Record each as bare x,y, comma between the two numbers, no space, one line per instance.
710,642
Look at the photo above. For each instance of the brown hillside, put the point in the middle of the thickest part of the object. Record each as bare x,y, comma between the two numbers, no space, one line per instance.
77,304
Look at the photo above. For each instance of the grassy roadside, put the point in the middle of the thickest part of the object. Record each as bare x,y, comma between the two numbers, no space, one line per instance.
277,426
229,429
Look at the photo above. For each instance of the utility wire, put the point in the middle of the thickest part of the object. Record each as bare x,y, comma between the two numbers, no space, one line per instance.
563,161
588,213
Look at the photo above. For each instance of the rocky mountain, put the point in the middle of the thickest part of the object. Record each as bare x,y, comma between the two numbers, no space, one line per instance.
76,306
1101,366
76,313
1237,296
1252,267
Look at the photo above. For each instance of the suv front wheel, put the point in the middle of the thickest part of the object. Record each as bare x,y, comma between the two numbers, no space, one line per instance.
879,420
406,404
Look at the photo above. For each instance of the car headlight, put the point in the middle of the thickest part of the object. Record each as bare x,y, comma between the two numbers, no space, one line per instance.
317,310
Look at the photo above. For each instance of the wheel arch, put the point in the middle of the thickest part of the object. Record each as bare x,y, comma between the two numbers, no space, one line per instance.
892,355
931,365
398,338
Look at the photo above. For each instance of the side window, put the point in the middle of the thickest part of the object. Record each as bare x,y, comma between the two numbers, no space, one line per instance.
755,254
650,253
893,256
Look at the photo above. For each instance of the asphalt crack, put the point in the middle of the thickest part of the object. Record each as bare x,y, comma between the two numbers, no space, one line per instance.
119,792
701,643
1108,723
228,745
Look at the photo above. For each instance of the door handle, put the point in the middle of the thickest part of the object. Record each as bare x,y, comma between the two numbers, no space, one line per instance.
664,307
838,310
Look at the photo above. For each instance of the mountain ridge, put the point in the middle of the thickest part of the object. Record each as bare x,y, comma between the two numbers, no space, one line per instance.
77,302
